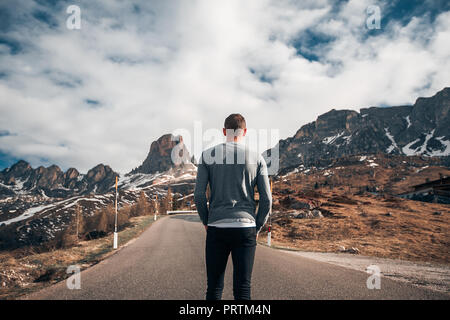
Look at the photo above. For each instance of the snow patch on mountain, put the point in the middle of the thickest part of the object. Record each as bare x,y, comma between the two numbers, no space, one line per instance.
28,214
393,145
18,187
445,152
422,150
330,140
408,121
347,139
85,199
137,181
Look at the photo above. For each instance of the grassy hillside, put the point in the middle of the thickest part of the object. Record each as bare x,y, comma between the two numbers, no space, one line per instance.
355,198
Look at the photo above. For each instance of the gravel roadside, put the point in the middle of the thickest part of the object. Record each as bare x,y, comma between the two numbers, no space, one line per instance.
426,275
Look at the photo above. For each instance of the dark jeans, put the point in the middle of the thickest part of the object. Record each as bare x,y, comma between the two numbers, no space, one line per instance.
241,242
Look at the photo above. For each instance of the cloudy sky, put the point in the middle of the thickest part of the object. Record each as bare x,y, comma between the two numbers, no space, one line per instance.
139,69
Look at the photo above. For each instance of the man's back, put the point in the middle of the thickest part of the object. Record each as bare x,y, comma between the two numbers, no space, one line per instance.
232,171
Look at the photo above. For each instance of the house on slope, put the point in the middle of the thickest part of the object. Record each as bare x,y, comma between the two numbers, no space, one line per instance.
437,191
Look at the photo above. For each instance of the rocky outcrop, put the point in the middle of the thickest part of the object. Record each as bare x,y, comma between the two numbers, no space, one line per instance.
420,129
100,179
20,169
71,178
167,152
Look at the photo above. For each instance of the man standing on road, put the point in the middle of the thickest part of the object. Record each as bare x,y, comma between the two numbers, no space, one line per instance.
232,172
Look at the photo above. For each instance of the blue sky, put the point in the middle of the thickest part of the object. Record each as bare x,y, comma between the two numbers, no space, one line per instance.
139,69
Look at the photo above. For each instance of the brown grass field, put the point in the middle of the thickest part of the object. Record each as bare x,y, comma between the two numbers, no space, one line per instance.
411,232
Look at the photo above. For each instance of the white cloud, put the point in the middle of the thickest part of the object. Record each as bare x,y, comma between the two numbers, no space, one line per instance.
163,65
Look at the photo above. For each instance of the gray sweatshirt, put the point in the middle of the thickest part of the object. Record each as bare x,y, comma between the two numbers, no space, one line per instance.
232,172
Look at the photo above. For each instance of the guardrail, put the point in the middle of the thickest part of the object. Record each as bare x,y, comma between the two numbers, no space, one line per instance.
181,211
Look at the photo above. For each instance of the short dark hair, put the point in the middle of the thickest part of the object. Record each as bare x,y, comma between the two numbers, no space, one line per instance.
235,121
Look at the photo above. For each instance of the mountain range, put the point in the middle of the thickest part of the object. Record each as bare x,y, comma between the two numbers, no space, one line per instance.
21,178
421,129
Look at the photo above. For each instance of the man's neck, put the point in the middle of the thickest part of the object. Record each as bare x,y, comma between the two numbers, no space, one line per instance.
235,139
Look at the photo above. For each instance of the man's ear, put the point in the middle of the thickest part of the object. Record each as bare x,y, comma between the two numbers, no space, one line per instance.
245,132
224,132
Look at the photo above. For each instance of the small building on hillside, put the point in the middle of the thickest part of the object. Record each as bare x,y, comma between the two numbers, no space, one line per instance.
437,191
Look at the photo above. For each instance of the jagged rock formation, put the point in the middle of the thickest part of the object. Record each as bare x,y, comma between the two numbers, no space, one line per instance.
99,179
167,152
420,129
52,181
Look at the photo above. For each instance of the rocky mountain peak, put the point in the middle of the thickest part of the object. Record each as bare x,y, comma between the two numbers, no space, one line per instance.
98,172
159,158
71,173
19,168
51,177
100,178
334,120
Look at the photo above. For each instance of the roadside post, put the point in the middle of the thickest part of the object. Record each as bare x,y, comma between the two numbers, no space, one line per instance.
269,232
156,208
115,224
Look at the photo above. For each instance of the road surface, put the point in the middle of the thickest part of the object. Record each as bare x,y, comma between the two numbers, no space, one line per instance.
167,262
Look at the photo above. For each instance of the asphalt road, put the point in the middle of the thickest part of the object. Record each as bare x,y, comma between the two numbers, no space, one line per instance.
167,262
